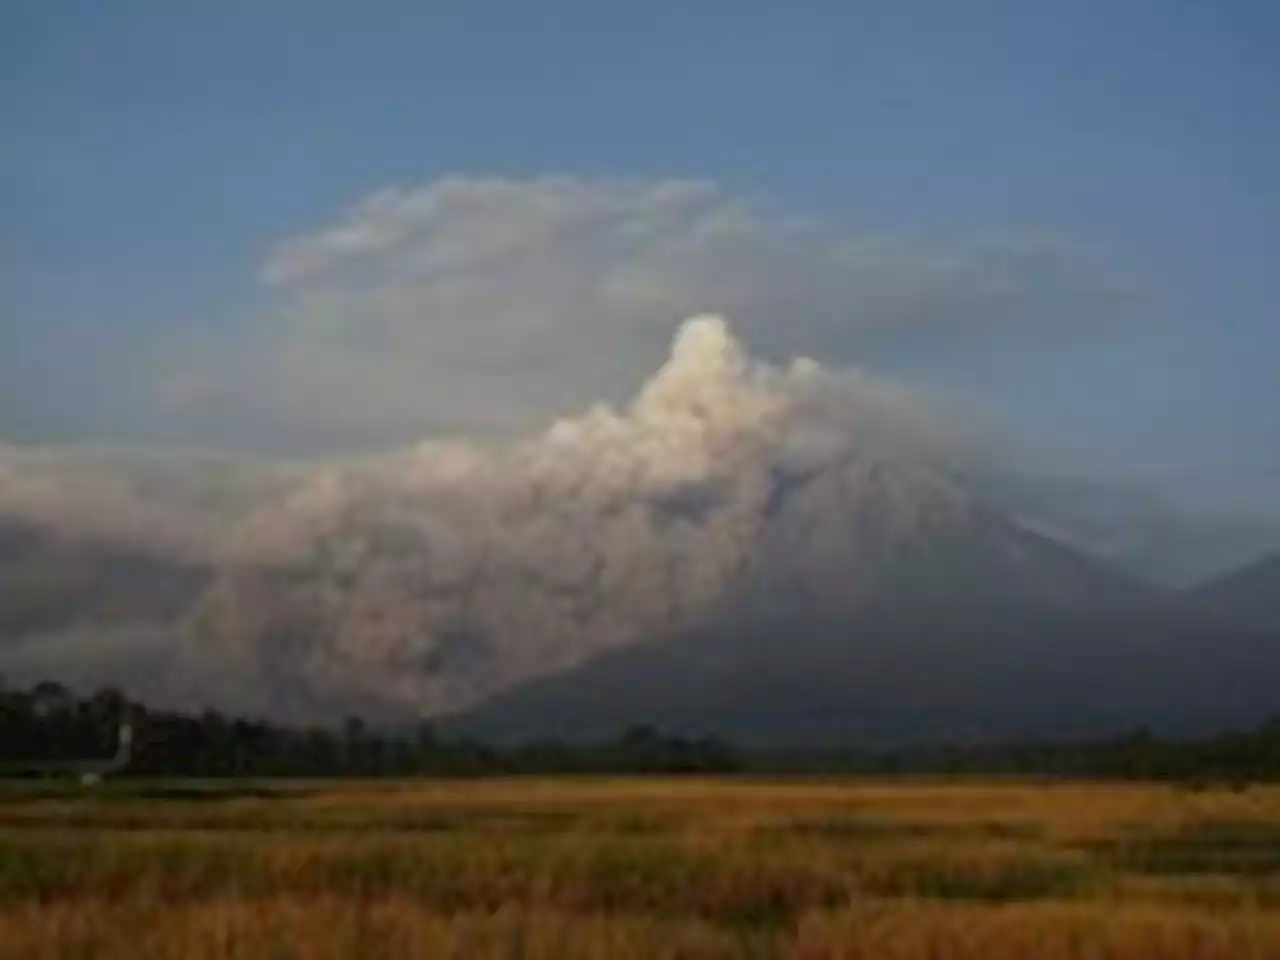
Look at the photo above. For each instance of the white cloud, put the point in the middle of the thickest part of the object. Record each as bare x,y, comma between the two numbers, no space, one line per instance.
489,305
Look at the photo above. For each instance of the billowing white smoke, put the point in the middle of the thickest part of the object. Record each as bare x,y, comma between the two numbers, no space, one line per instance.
436,576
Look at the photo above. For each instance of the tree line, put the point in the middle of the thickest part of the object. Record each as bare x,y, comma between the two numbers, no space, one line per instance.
47,724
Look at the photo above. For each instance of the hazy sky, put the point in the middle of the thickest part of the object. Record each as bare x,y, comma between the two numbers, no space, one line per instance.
1065,214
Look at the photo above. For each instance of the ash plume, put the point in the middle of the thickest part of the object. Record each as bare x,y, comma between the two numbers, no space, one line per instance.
426,580
433,577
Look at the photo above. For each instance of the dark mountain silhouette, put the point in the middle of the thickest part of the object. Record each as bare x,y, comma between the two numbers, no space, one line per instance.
901,672
974,631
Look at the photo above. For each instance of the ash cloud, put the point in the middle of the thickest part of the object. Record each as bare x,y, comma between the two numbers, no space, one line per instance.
484,306
434,577
425,579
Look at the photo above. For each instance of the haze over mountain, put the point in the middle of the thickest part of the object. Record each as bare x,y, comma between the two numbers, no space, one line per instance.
747,548
1135,527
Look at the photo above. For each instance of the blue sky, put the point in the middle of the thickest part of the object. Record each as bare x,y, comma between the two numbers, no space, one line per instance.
153,154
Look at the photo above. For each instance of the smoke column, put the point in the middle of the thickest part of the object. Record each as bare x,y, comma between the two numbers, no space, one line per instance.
434,577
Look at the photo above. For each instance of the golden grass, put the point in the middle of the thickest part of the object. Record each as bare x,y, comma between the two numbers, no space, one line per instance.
642,868
329,927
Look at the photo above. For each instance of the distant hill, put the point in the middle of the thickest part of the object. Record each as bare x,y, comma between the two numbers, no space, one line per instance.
1251,593
1134,527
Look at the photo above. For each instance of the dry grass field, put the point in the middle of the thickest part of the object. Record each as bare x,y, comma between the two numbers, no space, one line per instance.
640,868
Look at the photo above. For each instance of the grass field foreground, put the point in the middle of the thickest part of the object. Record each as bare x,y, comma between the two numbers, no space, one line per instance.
599,868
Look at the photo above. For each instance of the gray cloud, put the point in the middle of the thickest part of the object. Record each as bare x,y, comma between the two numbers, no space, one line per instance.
482,305
167,503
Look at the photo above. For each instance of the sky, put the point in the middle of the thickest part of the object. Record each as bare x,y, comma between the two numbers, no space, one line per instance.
317,227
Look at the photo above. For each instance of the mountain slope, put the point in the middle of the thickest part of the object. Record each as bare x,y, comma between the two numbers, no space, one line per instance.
900,673
1251,593
1135,527
915,612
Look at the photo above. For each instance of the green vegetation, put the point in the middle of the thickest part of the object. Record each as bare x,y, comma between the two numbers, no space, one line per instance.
48,723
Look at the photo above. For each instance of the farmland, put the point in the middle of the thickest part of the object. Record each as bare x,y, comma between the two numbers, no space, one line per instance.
639,867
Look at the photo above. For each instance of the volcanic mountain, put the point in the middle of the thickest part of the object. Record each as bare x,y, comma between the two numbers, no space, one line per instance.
917,614
780,553
437,579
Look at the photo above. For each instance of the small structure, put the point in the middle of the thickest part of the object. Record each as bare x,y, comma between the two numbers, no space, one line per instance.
87,771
